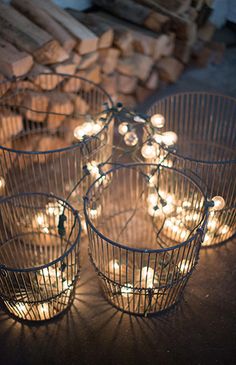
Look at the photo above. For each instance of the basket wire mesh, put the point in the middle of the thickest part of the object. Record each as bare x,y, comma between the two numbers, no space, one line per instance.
39,255
143,246
50,131
205,125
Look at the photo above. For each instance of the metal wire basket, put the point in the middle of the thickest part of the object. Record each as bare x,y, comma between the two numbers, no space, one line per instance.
144,246
49,131
39,255
204,127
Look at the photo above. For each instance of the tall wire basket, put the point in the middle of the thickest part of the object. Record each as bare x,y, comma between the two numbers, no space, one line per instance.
204,145
144,246
51,127
39,255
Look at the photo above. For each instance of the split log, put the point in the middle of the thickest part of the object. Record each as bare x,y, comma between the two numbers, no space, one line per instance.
126,84
88,60
109,83
183,28
182,51
108,58
80,105
72,84
153,80
25,35
137,65
47,143
60,104
12,61
43,77
128,101
46,22
129,37
136,13
68,67
175,6
170,69
104,33
92,74
4,85
35,106
142,93
88,41
10,124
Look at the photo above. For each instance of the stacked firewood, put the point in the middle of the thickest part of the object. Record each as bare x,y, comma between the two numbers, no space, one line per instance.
127,46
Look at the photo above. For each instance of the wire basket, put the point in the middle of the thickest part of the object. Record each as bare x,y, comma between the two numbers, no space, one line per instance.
50,130
144,246
39,255
204,127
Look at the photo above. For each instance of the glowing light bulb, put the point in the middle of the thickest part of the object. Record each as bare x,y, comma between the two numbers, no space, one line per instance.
184,234
20,307
157,120
213,224
79,132
169,138
148,151
148,276
54,208
207,239
224,229
152,199
123,128
152,180
157,137
93,169
114,266
96,128
219,203
127,289
95,212
153,211
131,138
186,204
40,219
184,266
168,208
2,183
88,128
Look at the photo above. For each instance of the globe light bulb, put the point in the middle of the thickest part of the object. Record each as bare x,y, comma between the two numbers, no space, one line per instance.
123,128
93,169
157,137
224,229
219,203
88,128
148,151
127,289
96,128
213,224
184,266
40,219
114,266
131,138
54,208
79,133
148,276
169,138
157,120
2,183
95,212
152,199
207,239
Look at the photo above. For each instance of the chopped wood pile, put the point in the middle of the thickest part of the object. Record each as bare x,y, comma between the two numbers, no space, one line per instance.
129,47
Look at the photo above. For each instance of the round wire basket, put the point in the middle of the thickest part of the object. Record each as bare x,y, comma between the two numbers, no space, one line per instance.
39,255
50,130
204,146
145,245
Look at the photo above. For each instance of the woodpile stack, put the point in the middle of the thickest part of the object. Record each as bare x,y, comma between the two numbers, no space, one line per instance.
129,47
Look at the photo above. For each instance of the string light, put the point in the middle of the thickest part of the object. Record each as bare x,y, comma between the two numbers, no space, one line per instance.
157,120
131,138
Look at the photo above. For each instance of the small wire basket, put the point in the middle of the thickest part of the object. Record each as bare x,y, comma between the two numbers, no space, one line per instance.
198,135
144,246
39,255
52,127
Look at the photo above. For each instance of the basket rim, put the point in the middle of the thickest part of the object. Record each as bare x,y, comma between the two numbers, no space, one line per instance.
69,147
180,155
66,253
117,166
